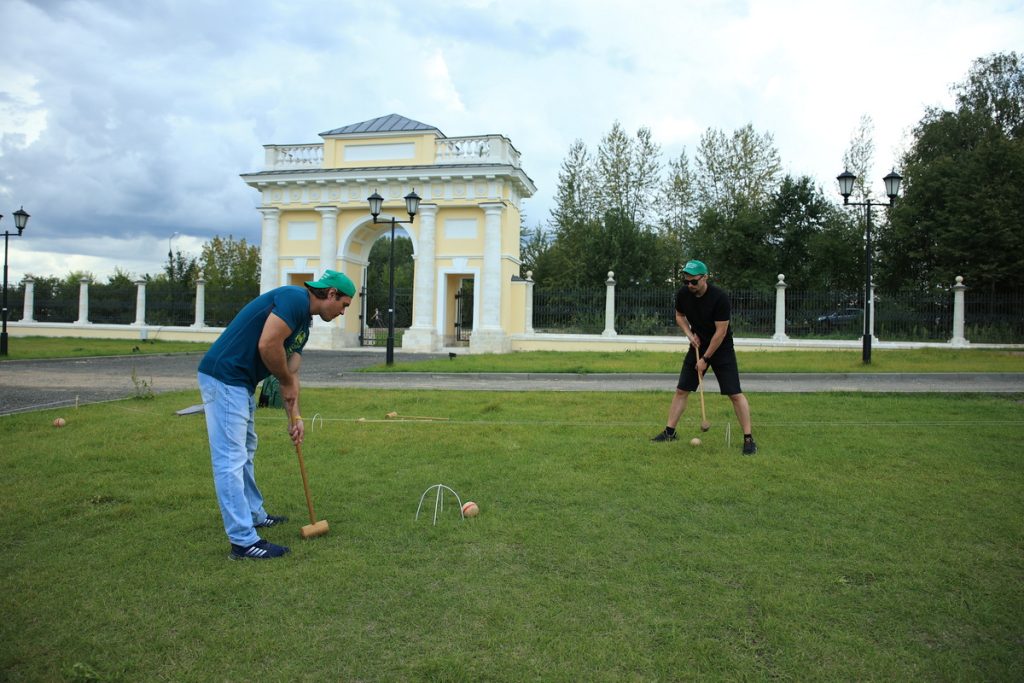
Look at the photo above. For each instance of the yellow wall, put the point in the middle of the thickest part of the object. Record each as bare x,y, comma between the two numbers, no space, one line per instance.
424,150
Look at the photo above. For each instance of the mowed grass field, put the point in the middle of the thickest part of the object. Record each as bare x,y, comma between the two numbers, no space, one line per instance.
874,537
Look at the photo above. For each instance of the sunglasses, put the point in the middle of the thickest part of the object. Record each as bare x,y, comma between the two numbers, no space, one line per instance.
690,283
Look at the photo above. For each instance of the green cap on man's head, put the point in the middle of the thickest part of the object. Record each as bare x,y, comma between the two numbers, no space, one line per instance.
695,267
332,278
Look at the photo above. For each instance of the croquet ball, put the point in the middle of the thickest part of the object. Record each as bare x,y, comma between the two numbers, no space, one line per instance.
694,441
470,509
59,422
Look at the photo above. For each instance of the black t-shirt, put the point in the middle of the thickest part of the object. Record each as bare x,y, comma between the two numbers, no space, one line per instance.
702,311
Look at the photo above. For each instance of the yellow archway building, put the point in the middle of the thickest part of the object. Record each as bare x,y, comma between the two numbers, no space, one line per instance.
316,217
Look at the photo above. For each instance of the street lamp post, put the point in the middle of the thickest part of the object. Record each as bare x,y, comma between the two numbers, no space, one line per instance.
412,205
892,188
170,254
20,221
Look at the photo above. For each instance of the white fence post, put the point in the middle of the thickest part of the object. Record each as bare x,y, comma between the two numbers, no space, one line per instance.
140,302
200,302
780,309
958,340
28,309
529,302
83,302
609,306
874,320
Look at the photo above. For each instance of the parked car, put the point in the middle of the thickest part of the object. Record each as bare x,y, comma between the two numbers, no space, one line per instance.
844,317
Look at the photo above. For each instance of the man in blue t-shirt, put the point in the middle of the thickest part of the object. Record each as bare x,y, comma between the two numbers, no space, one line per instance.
702,313
265,338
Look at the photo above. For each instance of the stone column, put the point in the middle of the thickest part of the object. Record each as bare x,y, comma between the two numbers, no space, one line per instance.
83,302
958,340
490,306
488,336
328,237
140,302
529,302
609,306
269,267
30,299
423,335
200,302
780,309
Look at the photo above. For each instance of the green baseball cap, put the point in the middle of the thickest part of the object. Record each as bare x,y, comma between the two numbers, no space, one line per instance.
695,267
332,278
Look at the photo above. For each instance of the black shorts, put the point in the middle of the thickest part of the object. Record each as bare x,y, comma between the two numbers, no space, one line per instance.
723,363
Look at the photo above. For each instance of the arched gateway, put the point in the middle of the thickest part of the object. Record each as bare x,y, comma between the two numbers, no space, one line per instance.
315,217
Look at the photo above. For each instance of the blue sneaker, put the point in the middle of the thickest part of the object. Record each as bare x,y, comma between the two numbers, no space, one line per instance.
260,550
271,520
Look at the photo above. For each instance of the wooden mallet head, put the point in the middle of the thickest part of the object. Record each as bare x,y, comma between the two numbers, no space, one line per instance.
316,529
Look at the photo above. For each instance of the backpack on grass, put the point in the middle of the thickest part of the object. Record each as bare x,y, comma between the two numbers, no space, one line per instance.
270,394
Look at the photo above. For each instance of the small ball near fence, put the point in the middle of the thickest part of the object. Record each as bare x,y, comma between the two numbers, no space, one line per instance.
59,422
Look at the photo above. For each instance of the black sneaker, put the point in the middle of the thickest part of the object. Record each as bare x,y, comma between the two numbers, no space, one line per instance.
749,447
260,550
665,436
272,520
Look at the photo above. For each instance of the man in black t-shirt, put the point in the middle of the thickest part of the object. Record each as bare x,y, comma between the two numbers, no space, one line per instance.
702,313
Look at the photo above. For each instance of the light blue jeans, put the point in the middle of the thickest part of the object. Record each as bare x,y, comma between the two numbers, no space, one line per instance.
231,425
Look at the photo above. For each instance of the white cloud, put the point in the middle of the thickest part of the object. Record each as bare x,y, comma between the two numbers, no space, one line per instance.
123,122
439,85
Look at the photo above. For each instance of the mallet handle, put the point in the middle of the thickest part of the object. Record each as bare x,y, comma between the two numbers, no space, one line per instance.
700,386
305,479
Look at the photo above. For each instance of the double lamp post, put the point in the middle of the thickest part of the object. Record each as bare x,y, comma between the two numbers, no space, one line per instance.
412,205
892,188
20,221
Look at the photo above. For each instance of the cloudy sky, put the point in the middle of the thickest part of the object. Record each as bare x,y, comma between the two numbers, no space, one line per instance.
123,122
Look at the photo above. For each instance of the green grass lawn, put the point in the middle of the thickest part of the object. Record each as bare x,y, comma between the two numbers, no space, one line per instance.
916,360
875,537
33,348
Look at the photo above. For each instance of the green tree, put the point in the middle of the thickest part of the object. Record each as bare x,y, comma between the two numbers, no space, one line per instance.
534,245
740,170
815,244
231,267
120,278
734,242
858,158
378,270
677,204
961,213
603,205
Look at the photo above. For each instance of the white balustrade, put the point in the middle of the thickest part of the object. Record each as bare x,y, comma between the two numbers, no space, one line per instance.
488,149
283,157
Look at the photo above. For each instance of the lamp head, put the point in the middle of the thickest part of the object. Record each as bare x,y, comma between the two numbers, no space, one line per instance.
20,219
892,184
846,180
412,203
376,201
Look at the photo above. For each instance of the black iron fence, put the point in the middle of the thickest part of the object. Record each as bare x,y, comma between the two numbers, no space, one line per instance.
374,316
996,318
899,315
568,311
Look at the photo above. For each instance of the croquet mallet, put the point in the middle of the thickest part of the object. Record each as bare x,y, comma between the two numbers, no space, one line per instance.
704,424
314,528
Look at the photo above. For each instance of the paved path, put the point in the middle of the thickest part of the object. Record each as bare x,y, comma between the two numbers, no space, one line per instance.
34,385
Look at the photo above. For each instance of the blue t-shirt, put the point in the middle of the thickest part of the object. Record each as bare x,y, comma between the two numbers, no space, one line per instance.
235,357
